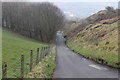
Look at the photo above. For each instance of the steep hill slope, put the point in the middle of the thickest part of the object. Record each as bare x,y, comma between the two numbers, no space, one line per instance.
13,45
98,42
108,14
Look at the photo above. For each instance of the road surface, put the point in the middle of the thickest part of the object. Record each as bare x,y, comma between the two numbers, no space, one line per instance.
72,65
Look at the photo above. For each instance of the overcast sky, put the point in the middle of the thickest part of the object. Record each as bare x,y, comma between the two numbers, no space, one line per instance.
78,8
75,0
61,0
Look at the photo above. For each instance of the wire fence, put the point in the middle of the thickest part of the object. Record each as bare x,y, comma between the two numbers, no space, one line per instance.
25,63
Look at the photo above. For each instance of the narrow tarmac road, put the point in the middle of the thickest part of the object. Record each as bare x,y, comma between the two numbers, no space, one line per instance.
72,65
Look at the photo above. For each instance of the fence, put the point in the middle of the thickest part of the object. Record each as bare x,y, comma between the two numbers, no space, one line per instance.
33,60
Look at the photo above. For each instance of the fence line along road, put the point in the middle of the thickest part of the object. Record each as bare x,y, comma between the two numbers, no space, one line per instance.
40,54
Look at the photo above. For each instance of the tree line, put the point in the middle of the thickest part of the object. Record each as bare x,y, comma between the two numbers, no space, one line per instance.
40,21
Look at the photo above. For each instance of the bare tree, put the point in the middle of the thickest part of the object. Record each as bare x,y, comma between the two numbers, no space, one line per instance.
35,20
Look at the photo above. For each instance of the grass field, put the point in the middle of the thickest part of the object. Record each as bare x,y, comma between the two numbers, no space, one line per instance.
98,42
13,45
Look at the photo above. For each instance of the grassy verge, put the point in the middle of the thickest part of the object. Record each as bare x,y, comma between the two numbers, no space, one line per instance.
99,56
45,68
13,45
98,42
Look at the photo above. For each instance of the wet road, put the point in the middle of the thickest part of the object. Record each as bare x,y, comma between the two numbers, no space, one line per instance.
72,65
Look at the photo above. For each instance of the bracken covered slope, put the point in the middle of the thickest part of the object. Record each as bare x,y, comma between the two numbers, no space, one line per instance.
97,41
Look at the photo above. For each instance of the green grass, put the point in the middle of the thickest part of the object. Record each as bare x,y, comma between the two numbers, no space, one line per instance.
45,68
13,45
49,64
94,54
86,45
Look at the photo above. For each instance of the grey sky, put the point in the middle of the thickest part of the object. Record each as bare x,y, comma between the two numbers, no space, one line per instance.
60,0
74,0
83,9
78,8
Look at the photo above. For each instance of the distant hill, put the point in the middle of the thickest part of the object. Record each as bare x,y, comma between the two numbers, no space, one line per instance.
83,9
102,15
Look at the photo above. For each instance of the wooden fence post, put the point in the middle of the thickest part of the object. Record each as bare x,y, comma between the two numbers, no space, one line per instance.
37,55
31,59
22,66
46,52
4,70
41,54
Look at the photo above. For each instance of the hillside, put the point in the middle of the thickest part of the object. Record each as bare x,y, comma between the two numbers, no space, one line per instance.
107,14
13,45
98,42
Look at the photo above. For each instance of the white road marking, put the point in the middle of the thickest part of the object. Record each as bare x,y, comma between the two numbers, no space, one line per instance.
95,66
